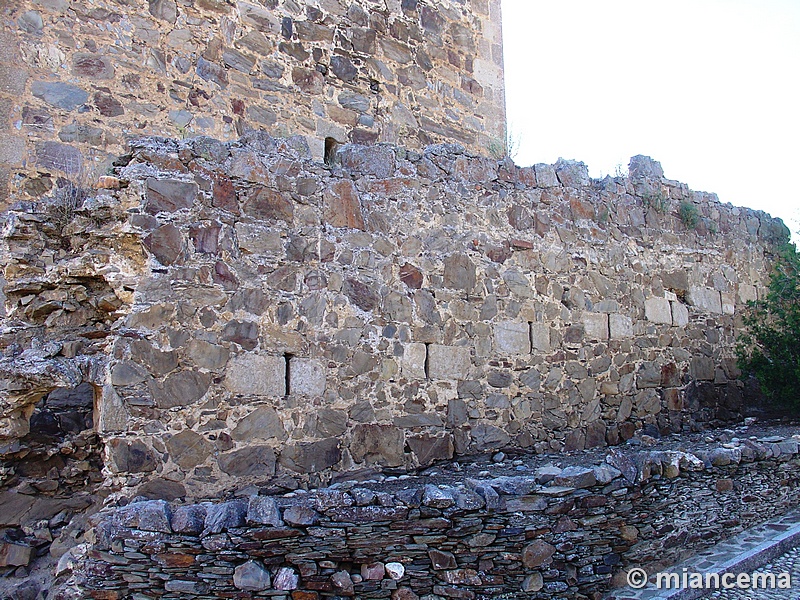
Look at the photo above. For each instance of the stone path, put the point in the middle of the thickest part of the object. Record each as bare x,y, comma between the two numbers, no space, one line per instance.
786,563
772,547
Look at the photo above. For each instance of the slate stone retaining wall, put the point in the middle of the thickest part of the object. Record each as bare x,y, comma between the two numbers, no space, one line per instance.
552,533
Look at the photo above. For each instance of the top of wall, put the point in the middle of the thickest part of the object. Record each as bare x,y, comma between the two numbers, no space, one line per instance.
79,79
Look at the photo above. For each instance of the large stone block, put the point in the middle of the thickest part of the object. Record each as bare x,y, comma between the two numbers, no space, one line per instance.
540,337
459,272
189,449
256,375
448,362
704,299
412,364
620,326
249,461
512,337
311,457
658,310
595,326
306,377
680,314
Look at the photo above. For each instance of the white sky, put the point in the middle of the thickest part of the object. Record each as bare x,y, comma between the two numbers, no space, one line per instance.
710,88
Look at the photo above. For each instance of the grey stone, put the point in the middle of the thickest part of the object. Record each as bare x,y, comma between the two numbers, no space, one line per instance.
680,314
189,519
648,376
189,449
658,310
286,579
132,456
576,477
92,66
61,95
263,510
224,516
644,167
311,457
307,377
182,389
328,422
620,326
261,424
448,362
168,195
251,576
428,448
377,161
301,516
54,155
596,326
249,461
256,375
361,294
540,337
572,173
342,583
511,337
459,272
412,363
704,299
489,436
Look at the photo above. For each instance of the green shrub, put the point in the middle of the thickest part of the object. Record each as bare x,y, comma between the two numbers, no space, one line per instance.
689,214
657,201
770,347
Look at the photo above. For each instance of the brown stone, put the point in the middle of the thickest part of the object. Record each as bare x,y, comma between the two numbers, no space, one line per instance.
263,203
107,105
132,456
428,448
311,457
411,276
442,560
361,294
309,81
342,207
459,272
182,389
93,66
382,444
165,244
537,554
261,424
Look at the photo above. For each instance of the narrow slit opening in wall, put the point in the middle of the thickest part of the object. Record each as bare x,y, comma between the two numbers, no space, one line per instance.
331,146
426,365
288,373
530,334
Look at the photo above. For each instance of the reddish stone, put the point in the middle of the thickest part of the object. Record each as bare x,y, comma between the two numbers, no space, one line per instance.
165,243
581,210
265,203
302,595
519,244
342,207
223,194
393,185
176,560
411,276
309,81
205,239
537,554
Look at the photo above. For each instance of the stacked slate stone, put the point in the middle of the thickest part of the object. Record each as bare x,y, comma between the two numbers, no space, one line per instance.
550,533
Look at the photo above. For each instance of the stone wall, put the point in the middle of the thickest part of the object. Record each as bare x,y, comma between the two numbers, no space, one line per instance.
549,532
247,314
77,79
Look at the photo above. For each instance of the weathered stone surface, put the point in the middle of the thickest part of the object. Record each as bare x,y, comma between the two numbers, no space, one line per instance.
251,576
256,375
252,460
263,203
165,243
182,389
658,310
704,299
132,456
596,326
263,510
300,515
261,424
448,362
382,444
512,337
537,554
311,457
412,363
680,314
429,448
15,555
361,294
459,272
540,337
61,95
307,377
395,570
166,195
620,326
342,207
189,449
286,579
576,477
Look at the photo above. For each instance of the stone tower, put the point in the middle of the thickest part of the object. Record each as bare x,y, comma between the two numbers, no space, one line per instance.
78,79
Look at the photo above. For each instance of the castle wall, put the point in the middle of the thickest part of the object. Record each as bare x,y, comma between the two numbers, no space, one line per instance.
78,79
250,315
